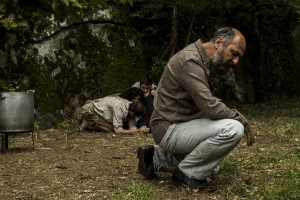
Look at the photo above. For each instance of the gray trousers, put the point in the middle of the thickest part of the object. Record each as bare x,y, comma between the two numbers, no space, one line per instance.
197,147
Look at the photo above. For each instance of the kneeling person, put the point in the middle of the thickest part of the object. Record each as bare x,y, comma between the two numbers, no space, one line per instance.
109,113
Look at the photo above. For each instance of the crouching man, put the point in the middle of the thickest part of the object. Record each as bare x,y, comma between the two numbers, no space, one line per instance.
194,129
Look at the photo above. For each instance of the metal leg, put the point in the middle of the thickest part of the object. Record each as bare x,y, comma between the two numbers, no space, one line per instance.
6,140
33,139
2,142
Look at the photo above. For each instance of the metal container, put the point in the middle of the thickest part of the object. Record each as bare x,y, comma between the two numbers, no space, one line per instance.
16,112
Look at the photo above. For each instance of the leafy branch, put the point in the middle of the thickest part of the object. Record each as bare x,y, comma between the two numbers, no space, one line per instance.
10,24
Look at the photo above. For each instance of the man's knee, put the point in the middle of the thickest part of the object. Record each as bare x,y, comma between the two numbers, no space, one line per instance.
232,130
238,129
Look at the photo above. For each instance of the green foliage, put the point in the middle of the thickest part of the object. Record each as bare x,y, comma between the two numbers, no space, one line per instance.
130,2
66,124
61,7
273,22
10,24
34,16
36,125
75,3
48,98
152,29
277,22
296,5
157,68
9,86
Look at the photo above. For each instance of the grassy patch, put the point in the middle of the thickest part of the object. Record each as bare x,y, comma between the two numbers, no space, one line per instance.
270,169
139,191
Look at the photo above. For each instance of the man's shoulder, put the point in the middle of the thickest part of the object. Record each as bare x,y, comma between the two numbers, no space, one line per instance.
191,52
137,85
113,99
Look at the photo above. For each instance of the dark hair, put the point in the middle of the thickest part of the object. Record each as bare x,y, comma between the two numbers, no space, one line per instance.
131,93
138,108
146,81
227,33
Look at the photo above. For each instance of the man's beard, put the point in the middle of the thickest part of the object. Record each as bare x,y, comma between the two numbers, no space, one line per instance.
218,65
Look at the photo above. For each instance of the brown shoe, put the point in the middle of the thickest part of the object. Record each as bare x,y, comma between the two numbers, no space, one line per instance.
84,125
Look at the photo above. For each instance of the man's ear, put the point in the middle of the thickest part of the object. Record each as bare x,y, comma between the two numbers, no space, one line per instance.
218,41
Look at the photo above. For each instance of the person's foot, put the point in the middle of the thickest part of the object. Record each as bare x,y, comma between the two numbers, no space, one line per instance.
84,125
180,178
145,166
1,97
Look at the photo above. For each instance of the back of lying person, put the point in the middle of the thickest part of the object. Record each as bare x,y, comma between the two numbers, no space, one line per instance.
109,113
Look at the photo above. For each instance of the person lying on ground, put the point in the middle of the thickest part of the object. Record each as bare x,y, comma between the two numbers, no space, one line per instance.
134,95
109,113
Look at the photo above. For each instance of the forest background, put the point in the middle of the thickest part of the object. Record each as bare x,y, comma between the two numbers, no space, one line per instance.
69,51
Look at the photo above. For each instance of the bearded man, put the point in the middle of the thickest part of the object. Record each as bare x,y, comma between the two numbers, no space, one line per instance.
193,129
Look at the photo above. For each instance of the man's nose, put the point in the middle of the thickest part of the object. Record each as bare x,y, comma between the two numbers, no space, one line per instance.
235,60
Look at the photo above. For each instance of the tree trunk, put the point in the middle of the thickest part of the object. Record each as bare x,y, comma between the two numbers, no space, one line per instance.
188,37
173,42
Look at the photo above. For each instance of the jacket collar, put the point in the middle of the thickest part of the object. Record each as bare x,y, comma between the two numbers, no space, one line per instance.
203,55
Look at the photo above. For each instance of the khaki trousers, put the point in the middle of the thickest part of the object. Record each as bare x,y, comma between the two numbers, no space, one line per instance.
93,121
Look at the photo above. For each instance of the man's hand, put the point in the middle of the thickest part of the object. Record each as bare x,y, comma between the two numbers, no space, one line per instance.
153,92
249,134
144,129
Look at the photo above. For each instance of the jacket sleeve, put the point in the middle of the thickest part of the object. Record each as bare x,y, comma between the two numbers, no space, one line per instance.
119,113
194,80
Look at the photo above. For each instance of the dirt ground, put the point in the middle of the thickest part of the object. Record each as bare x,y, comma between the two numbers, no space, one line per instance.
79,165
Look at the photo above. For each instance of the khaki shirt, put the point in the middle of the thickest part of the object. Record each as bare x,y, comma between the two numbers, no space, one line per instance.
184,94
114,109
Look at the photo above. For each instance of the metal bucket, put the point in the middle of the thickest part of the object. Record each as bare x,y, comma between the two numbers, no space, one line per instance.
16,112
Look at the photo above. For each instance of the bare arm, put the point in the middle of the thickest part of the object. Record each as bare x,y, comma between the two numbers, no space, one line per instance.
142,129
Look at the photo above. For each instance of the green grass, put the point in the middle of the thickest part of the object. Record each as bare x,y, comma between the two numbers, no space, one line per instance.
138,191
270,169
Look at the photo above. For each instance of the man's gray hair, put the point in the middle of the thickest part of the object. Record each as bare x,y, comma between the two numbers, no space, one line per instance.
227,33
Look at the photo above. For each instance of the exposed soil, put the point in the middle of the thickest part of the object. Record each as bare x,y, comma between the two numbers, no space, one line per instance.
79,165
